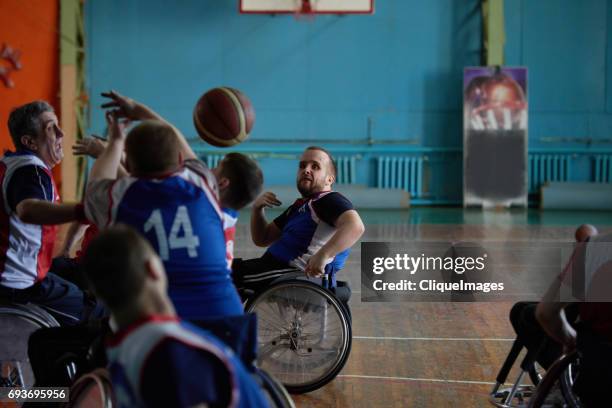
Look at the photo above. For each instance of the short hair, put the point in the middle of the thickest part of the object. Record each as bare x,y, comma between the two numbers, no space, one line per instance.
245,180
25,120
331,158
114,265
151,147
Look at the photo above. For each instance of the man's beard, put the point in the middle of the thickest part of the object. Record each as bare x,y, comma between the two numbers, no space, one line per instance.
306,191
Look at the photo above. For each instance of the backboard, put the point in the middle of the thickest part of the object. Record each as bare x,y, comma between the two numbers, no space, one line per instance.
306,6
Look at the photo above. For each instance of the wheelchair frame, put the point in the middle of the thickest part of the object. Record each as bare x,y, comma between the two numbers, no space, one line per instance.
504,398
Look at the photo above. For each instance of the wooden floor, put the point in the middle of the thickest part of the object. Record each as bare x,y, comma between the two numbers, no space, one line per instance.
427,354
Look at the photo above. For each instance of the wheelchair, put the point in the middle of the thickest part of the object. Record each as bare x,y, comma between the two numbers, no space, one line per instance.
304,330
563,372
79,361
18,322
518,394
95,389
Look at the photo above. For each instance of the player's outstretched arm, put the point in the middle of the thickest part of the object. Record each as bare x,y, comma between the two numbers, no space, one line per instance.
264,233
41,212
108,163
550,313
93,146
349,229
134,110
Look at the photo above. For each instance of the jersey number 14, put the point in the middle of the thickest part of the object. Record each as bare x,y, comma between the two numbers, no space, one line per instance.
173,241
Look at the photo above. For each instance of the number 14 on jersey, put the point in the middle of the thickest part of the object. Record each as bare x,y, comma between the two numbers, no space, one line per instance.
166,242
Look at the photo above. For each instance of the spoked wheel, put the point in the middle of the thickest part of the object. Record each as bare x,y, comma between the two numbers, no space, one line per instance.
18,322
304,334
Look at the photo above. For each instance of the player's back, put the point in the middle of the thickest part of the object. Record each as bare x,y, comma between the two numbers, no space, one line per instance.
182,220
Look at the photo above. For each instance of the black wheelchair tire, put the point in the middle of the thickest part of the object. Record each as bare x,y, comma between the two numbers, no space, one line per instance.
346,320
275,390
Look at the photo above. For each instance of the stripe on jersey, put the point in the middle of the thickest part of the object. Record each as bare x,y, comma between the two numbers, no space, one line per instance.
322,234
206,181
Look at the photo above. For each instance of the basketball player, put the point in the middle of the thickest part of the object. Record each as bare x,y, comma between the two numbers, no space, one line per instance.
314,234
591,265
155,359
30,212
175,201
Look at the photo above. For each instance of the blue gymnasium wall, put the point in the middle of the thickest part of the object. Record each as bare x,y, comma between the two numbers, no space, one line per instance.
394,76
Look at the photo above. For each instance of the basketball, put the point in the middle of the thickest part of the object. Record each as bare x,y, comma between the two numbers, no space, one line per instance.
584,232
223,117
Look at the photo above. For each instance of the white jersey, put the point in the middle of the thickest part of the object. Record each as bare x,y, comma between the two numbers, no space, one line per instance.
25,249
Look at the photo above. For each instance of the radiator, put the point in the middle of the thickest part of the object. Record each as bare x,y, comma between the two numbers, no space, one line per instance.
403,172
212,160
547,167
602,168
346,166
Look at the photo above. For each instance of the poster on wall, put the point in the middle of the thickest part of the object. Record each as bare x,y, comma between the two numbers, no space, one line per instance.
495,136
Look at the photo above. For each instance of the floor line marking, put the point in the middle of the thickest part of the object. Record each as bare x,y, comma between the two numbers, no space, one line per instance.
437,380
430,338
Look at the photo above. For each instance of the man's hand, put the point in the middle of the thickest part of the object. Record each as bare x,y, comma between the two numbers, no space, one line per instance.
315,267
116,127
124,107
262,232
267,199
108,163
90,146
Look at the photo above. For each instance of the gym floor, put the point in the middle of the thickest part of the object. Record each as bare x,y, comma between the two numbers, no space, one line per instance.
430,354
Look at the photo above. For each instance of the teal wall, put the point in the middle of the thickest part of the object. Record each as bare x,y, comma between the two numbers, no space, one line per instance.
392,77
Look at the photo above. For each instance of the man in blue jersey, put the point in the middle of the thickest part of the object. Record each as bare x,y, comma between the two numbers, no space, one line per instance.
314,234
155,359
176,202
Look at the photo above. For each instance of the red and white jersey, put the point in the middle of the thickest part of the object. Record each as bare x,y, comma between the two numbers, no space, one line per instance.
230,218
25,249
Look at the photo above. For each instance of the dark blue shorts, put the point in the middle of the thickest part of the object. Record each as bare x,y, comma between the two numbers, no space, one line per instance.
62,299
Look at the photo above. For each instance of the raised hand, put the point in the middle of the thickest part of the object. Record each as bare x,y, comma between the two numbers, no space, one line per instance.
124,107
116,127
267,199
90,146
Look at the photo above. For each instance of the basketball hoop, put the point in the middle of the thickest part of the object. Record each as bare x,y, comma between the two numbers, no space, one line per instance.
305,11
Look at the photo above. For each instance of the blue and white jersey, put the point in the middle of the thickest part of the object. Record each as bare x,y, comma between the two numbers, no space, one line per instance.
180,216
306,226
162,362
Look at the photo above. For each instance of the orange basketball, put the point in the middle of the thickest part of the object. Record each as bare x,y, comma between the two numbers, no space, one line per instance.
223,117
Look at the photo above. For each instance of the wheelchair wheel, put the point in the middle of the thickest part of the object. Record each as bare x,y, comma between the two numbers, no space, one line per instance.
567,381
92,390
304,334
556,373
18,322
277,395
